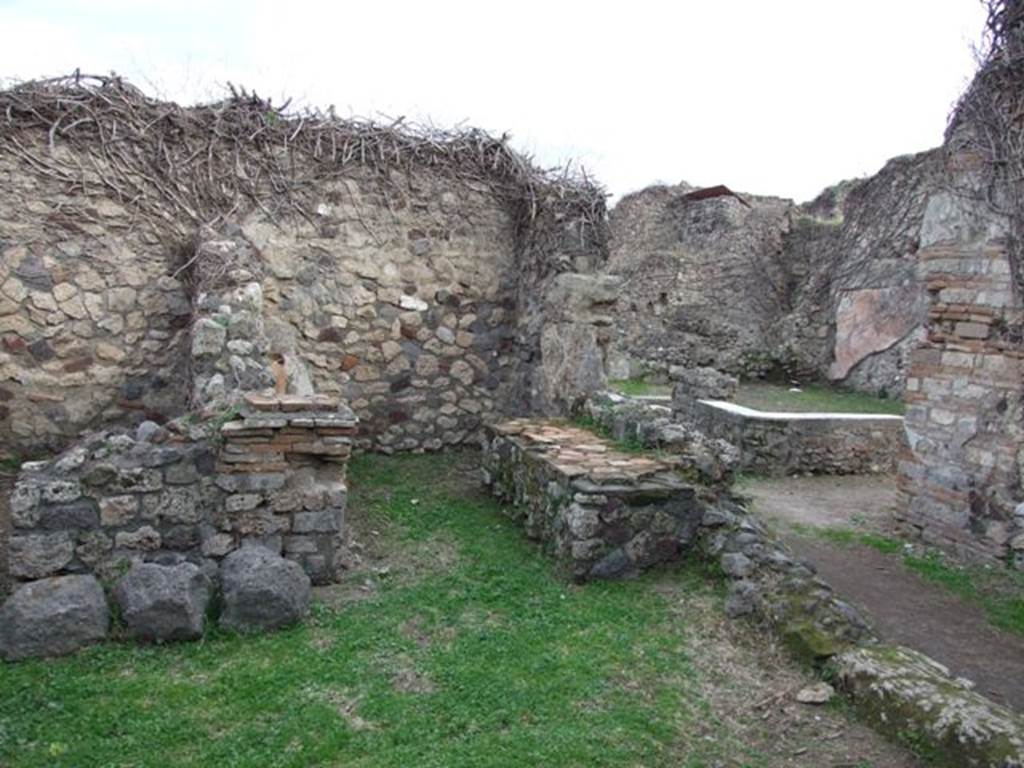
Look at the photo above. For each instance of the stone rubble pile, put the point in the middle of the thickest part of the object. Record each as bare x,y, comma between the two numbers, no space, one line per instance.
154,514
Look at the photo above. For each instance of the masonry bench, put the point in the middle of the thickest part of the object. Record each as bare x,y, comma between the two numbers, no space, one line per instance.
602,512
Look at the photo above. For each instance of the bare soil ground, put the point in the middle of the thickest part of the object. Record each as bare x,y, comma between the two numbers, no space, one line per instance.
750,684
903,607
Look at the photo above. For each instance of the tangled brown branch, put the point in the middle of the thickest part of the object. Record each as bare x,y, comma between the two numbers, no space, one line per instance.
182,168
987,124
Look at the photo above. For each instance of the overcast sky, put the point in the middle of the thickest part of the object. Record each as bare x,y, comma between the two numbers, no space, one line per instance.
767,96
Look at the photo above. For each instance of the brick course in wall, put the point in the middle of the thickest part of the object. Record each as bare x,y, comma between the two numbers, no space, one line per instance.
959,478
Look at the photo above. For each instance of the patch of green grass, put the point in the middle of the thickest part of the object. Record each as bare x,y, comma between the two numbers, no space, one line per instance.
11,465
811,398
639,387
488,659
999,591
884,544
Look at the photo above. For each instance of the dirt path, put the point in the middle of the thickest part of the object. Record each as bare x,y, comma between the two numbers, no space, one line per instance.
903,607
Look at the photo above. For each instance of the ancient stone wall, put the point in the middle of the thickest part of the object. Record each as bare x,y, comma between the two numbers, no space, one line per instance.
603,514
961,479
702,281
271,477
410,280
793,443
748,284
93,318
406,305
862,294
113,497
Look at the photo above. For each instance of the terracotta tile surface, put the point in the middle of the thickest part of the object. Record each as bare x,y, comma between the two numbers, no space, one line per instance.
575,451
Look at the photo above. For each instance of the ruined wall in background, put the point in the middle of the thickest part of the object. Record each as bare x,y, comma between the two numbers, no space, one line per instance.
824,290
702,281
865,275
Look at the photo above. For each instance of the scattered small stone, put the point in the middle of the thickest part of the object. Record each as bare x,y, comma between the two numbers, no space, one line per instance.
819,693
736,565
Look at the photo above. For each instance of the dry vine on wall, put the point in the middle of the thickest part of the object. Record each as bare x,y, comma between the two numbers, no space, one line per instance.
185,168
987,124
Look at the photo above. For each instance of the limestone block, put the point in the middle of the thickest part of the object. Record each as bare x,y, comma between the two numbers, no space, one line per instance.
208,338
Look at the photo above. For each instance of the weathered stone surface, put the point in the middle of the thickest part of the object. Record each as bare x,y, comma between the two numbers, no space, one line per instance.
871,320
146,539
713,460
703,383
163,602
605,514
774,443
903,691
36,556
748,283
208,338
818,693
262,591
52,617
736,565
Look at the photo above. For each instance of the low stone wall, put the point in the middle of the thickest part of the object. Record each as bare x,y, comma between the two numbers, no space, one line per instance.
784,443
606,513
112,499
189,493
603,513
901,692
651,424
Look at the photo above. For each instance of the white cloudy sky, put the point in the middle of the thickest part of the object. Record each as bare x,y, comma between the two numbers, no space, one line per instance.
768,96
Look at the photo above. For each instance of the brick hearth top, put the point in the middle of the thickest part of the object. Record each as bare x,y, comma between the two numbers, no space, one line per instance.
577,452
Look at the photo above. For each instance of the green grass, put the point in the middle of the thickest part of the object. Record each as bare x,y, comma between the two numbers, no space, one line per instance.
774,397
999,591
482,657
639,387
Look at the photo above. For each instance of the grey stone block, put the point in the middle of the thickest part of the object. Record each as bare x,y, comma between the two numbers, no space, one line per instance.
163,602
736,565
77,514
262,591
326,521
36,556
52,617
